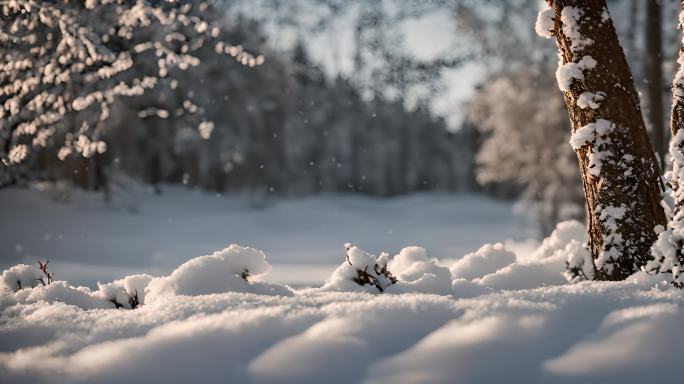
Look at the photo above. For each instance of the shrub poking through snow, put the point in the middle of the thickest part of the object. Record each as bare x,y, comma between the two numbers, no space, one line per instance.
19,277
126,293
409,271
26,276
44,268
579,265
378,276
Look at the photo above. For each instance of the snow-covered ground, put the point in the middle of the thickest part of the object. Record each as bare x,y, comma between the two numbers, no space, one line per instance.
304,238
502,313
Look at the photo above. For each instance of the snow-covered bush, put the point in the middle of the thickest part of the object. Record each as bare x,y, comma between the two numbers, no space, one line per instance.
579,264
409,271
229,270
24,276
361,271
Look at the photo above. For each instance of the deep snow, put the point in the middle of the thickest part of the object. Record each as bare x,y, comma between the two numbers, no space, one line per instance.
502,313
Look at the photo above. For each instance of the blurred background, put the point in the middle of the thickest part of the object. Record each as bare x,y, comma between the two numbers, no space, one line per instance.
387,123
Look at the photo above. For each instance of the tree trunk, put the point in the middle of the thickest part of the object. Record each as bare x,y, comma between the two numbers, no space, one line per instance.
619,170
654,76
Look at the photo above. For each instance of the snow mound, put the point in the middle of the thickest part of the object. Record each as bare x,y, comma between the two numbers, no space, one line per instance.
564,233
418,273
488,259
229,270
19,277
233,269
57,292
492,268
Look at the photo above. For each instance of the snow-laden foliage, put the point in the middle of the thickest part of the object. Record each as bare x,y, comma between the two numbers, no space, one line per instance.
667,250
66,62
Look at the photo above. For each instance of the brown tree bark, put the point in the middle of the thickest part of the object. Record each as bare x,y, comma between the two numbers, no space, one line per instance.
619,170
654,76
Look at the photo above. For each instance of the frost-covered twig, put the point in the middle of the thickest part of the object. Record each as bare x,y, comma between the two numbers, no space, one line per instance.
43,268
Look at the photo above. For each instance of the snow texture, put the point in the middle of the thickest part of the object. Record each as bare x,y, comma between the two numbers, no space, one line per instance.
565,233
488,259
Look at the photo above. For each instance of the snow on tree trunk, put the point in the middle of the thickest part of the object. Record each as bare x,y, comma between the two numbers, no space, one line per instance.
619,170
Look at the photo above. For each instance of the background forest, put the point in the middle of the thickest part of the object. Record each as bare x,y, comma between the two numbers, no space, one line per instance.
470,105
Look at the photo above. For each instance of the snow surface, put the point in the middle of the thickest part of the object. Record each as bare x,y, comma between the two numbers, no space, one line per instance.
504,313
509,325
